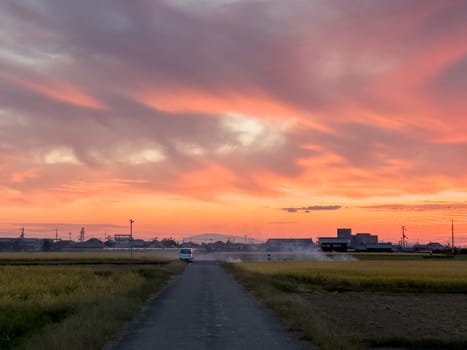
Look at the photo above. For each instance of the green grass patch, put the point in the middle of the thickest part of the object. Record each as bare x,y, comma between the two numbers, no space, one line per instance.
20,322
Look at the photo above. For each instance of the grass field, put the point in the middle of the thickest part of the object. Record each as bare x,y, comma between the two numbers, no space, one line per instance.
372,304
394,276
363,256
74,307
83,258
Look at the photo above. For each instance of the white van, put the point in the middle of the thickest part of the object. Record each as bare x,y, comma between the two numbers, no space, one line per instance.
186,254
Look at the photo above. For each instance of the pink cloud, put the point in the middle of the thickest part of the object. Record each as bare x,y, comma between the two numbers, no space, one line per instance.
326,98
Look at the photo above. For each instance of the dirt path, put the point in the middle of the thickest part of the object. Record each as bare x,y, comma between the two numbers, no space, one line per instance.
206,309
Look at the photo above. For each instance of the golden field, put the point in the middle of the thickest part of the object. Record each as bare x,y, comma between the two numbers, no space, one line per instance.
411,303
78,304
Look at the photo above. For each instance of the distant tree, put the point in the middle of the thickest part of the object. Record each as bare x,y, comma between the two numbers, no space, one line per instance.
109,243
169,243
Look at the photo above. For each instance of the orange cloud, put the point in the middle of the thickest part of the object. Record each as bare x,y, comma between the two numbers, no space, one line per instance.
206,183
58,90
344,106
21,176
253,103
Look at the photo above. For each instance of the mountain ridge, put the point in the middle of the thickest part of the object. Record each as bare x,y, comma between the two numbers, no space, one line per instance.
215,237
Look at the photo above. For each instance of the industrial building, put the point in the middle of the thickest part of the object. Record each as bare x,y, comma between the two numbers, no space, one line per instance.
333,244
358,242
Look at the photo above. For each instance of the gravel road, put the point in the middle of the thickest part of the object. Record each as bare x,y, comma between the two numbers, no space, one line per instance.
206,309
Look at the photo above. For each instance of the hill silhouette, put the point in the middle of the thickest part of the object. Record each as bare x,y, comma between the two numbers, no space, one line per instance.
214,237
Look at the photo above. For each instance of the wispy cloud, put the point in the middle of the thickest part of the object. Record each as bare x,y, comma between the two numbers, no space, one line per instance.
311,208
281,222
455,206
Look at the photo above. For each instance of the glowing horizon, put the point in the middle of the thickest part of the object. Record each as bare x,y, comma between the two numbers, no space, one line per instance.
215,116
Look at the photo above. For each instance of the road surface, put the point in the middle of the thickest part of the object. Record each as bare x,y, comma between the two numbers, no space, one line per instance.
205,309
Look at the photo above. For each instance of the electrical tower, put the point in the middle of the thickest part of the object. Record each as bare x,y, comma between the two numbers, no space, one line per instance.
404,238
81,235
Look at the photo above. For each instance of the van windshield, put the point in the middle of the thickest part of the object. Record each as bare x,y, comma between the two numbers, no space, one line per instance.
185,251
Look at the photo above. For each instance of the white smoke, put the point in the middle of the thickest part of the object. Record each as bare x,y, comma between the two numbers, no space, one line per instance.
298,254
233,260
342,257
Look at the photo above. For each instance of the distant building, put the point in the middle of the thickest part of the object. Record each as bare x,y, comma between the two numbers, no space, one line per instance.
122,237
7,244
154,244
63,245
289,244
345,233
24,244
189,245
90,244
345,241
330,244
360,241
120,241
137,243
435,246
31,244
379,247
432,247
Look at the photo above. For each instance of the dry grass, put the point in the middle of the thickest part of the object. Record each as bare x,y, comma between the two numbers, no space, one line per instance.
44,307
366,304
102,257
42,286
403,276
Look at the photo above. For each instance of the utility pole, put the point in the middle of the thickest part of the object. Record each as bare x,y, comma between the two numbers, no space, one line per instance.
56,234
22,232
131,237
131,228
452,237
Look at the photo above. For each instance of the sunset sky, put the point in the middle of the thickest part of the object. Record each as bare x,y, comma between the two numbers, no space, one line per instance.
262,118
